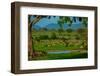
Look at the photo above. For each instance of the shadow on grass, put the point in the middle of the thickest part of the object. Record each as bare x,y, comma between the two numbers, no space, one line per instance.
74,55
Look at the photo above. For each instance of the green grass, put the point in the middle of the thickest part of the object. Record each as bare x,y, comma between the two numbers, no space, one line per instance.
47,45
54,48
58,44
74,55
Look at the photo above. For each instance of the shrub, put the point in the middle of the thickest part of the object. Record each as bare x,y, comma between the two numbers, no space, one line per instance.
77,37
43,37
53,36
37,39
69,30
60,30
80,30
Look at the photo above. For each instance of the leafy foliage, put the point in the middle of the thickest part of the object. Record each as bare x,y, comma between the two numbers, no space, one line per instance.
53,36
69,30
76,40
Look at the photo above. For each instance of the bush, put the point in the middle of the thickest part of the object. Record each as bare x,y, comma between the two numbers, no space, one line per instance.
80,30
77,37
53,36
69,30
37,39
60,30
43,37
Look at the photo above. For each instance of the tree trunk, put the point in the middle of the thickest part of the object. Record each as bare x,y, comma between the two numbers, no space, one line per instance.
31,51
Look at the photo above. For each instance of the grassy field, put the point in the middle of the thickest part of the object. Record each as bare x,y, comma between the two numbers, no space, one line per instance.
74,55
45,41
57,37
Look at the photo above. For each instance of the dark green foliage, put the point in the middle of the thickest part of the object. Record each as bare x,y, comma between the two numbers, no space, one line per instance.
69,30
62,20
44,29
80,19
75,55
77,37
85,21
60,30
74,19
37,39
53,36
43,37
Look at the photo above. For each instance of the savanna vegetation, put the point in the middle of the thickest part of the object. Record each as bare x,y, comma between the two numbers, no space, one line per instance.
44,41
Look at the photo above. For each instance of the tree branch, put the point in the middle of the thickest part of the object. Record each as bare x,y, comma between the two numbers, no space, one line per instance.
34,21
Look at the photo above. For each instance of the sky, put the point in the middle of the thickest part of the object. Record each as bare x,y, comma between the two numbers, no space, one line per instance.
53,20
43,22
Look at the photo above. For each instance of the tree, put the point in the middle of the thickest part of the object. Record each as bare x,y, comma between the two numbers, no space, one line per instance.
31,22
69,30
69,20
62,20
85,21
31,51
